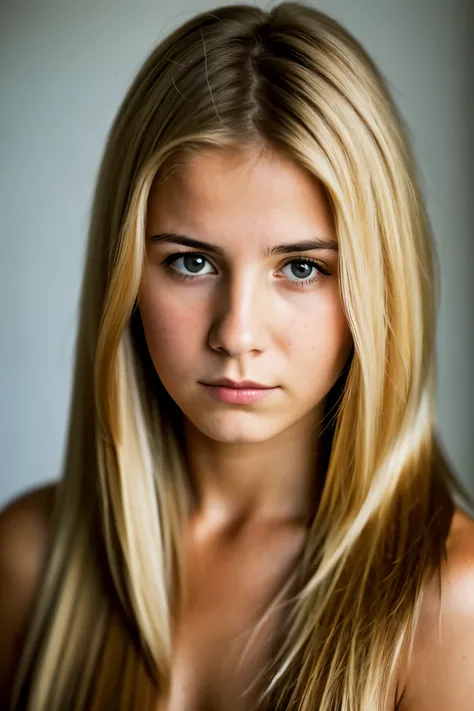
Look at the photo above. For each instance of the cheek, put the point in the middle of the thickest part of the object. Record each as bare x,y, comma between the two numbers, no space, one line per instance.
322,339
172,331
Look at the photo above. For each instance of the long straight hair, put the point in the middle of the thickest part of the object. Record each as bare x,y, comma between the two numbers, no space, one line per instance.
293,79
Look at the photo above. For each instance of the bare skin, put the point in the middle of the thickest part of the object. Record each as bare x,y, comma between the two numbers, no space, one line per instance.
246,312
440,675
24,547
231,575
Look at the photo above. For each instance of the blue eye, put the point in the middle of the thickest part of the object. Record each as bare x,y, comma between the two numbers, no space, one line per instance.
304,271
189,264
300,271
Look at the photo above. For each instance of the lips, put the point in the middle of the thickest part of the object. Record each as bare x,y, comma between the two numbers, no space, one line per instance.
238,385
244,392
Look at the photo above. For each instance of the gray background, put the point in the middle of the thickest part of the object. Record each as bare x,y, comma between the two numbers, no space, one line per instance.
64,67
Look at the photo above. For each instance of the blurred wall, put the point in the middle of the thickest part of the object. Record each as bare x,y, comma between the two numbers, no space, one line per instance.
64,67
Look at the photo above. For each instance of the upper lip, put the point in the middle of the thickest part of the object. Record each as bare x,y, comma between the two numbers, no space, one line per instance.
226,382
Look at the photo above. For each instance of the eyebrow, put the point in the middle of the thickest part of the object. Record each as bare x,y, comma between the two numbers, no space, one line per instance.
305,246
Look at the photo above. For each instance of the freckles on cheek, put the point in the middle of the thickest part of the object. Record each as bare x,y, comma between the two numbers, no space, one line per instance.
168,327
168,331
322,337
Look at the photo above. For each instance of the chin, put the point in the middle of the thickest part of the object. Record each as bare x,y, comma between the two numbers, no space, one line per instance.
235,429
238,439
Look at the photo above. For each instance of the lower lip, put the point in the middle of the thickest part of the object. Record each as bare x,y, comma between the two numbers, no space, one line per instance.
238,396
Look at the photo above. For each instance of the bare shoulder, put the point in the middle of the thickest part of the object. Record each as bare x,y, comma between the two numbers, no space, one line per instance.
24,542
440,674
24,532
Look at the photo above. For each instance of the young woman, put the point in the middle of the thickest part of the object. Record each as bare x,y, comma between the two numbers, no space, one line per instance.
255,510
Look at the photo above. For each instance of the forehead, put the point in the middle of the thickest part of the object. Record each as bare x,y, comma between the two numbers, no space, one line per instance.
258,195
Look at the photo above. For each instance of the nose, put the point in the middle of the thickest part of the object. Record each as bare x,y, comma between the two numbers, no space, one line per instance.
239,326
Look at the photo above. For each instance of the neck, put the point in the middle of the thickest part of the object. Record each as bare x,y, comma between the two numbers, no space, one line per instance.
272,481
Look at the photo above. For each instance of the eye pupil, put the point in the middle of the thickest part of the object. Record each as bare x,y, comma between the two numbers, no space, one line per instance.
302,270
193,263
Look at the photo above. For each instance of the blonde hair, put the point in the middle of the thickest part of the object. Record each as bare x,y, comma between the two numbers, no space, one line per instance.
293,79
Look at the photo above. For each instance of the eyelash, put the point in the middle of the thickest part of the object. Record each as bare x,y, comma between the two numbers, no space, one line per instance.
322,271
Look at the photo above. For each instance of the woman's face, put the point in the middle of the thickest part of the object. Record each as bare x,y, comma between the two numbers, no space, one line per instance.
236,286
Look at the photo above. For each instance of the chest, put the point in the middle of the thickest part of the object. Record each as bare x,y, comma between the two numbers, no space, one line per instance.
217,651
